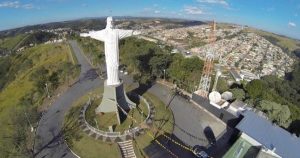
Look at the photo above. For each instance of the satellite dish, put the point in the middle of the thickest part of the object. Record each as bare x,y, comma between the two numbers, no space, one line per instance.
214,97
227,95
219,73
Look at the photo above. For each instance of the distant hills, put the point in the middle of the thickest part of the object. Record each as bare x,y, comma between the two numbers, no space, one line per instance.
94,24
288,45
74,24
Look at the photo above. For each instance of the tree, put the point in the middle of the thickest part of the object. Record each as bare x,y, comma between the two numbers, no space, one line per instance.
54,80
255,88
297,52
238,94
278,113
185,71
40,74
159,63
295,127
222,85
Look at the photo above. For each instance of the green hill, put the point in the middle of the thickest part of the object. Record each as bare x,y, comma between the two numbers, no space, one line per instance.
24,92
11,42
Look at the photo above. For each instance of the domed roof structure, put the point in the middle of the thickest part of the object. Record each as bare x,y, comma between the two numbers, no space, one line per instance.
227,95
214,97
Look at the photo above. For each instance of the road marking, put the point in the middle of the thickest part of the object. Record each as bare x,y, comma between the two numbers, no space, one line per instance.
71,149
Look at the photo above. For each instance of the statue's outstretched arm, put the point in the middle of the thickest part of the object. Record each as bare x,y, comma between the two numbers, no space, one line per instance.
127,33
98,35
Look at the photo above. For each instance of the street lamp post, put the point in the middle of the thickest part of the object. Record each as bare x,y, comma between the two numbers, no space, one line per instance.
31,127
164,75
32,130
47,90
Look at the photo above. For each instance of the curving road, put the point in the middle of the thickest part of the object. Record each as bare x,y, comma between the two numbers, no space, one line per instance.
49,142
190,121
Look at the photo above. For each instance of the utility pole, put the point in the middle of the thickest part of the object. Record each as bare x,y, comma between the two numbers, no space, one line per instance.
31,127
164,75
47,90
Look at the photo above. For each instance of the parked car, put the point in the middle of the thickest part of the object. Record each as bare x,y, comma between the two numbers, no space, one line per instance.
199,152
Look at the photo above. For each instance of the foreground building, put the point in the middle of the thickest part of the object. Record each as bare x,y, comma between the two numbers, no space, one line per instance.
259,138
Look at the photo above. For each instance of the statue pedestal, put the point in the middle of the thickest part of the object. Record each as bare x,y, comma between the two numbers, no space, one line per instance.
112,97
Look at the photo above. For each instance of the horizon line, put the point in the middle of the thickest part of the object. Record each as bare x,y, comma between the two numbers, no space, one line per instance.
129,16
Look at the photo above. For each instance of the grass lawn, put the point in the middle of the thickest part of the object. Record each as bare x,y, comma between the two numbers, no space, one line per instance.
137,115
163,119
11,42
42,55
103,121
107,119
110,119
86,146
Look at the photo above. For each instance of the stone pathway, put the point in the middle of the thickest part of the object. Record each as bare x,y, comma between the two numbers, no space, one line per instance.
127,149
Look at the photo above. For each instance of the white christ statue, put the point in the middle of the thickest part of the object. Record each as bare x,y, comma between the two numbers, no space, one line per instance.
111,36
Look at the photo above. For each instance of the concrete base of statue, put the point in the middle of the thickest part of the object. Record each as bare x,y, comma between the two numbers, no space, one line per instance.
112,97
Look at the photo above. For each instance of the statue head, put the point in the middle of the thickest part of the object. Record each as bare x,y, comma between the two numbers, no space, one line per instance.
109,22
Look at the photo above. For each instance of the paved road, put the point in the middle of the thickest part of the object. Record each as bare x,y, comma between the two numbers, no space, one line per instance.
49,142
190,121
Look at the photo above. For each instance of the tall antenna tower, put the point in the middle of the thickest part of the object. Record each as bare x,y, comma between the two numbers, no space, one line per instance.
205,81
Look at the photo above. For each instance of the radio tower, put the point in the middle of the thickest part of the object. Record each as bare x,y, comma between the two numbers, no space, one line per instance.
204,84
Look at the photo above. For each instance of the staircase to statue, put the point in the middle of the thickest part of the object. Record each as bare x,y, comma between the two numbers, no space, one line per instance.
127,149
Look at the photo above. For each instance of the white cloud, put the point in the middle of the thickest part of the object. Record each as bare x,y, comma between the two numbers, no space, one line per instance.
16,4
220,2
156,11
151,11
28,6
192,10
292,24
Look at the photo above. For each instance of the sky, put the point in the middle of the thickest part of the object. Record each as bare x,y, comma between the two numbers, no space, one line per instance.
278,16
